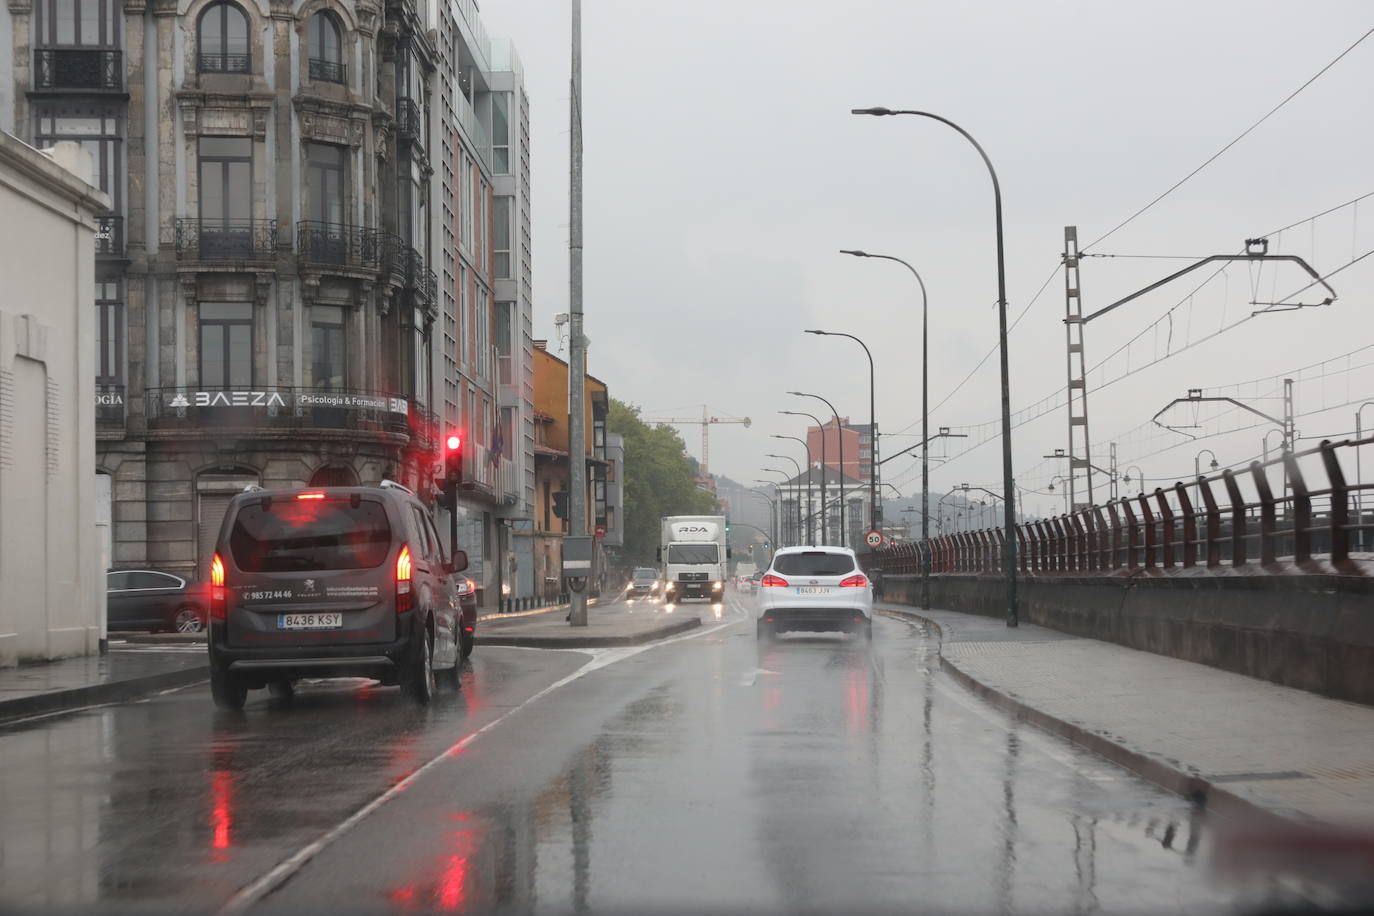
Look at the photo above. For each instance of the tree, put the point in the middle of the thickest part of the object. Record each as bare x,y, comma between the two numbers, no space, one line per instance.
660,479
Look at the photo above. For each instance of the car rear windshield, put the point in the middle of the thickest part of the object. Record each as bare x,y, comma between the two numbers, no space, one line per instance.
290,535
814,563
646,574
692,553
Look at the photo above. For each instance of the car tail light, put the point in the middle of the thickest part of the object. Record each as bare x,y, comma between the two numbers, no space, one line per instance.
772,580
403,595
854,582
217,602
310,496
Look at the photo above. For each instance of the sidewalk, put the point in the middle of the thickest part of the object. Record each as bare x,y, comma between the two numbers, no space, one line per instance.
616,623
1246,745
71,683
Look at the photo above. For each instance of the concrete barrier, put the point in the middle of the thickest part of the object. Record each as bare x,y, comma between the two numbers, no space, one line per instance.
1313,632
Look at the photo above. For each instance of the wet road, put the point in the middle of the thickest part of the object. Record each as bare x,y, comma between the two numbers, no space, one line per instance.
702,773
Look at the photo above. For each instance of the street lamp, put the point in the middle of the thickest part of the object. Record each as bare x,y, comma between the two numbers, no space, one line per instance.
787,522
1139,476
801,413
1065,481
1009,513
810,533
875,512
1197,469
839,434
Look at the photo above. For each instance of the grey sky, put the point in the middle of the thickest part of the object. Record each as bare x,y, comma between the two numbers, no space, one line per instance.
723,171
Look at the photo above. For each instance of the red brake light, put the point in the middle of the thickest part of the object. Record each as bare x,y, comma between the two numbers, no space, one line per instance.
772,580
854,582
403,566
310,496
217,603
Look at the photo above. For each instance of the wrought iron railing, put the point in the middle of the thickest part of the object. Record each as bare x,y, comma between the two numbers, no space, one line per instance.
334,243
278,407
78,68
224,63
226,240
328,71
109,406
410,124
109,235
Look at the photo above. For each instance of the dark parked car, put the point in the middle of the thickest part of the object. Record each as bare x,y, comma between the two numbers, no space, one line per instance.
332,582
467,600
149,599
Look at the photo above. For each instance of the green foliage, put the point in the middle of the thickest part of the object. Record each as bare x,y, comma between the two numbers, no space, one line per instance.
660,479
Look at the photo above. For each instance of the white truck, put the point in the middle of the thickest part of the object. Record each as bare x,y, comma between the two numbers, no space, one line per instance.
693,553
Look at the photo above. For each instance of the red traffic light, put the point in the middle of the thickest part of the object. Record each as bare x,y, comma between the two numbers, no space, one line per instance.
454,442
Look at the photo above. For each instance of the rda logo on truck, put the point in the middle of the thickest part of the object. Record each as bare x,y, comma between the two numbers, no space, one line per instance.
693,529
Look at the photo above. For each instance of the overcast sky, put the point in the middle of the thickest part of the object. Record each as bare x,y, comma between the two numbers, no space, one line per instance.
723,172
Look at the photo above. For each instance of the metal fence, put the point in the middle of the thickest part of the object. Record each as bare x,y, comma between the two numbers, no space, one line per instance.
1298,507
78,68
226,239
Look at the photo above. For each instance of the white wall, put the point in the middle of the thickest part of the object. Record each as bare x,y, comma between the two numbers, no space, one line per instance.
52,584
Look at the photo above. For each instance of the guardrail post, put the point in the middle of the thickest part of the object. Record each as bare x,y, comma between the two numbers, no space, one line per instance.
1024,565
1147,521
1302,510
1166,527
1094,541
1060,559
1114,550
1132,533
1340,504
1266,505
1043,548
1213,523
1185,508
1104,541
1080,543
1240,525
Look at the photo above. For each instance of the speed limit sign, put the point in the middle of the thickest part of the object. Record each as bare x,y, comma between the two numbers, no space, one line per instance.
874,538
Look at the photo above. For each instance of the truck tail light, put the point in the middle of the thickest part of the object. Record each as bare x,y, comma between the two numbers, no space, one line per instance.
771,580
217,600
854,582
404,598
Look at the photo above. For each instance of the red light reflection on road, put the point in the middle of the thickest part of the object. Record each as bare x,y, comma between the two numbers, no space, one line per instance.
856,702
221,813
448,889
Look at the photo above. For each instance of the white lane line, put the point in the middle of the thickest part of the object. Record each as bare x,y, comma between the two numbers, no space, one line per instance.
253,893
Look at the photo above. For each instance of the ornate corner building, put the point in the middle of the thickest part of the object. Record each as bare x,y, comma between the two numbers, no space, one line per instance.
268,304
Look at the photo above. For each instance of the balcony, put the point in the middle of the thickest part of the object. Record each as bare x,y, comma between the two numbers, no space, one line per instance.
109,235
224,63
338,245
328,71
109,407
78,68
226,239
410,123
405,267
279,409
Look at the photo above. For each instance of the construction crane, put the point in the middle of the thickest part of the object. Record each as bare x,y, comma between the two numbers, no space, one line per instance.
705,420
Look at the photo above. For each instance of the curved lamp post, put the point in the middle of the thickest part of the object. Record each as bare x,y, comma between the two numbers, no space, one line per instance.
839,434
802,413
810,527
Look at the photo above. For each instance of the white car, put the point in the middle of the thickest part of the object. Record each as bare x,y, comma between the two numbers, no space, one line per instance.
814,588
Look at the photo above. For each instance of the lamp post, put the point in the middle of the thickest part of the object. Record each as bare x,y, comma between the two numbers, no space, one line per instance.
810,534
801,413
875,512
839,434
1197,470
1065,482
787,523
1140,476
772,507
1009,513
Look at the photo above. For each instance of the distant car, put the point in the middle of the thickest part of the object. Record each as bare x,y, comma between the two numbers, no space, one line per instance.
644,581
150,599
814,588
467,602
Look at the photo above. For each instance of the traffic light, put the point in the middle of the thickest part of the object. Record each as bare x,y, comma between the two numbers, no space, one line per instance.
453,470
560,504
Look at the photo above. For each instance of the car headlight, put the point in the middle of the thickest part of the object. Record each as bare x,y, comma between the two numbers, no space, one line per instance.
715,586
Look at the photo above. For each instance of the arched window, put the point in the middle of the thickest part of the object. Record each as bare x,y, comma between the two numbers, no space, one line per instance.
223,38
326,48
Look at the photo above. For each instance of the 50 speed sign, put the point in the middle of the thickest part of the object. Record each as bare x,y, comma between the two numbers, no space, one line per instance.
874,538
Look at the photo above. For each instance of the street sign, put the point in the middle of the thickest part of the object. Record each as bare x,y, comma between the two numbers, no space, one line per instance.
577,557
601,531
874,538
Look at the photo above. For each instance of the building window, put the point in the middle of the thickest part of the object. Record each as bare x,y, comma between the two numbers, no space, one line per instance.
226,344
226,197
89,23
328,346
500,232
326,48
223,39
483,317
500,132
504,369
109,330
97,129
325,181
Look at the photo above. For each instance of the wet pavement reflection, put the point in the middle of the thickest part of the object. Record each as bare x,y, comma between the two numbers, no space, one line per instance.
816,773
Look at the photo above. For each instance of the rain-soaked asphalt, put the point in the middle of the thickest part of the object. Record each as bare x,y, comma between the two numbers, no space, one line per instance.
701,774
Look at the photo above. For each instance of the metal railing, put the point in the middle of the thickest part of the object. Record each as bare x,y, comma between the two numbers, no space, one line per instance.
223,63
405,267
410,124
109,406
226,240
78,68
109,235
278,407
335,243
1227,521
328,71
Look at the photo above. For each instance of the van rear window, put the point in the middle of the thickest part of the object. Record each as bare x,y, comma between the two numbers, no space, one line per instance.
814,563
310,535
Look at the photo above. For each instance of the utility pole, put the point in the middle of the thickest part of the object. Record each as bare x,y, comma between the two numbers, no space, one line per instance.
1080,458
577,360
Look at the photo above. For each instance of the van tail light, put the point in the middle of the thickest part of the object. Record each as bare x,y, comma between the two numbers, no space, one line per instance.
310,495
854,582
404,598
217,600
771,580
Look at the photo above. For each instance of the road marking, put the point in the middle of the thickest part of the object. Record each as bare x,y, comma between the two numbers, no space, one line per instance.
253,893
